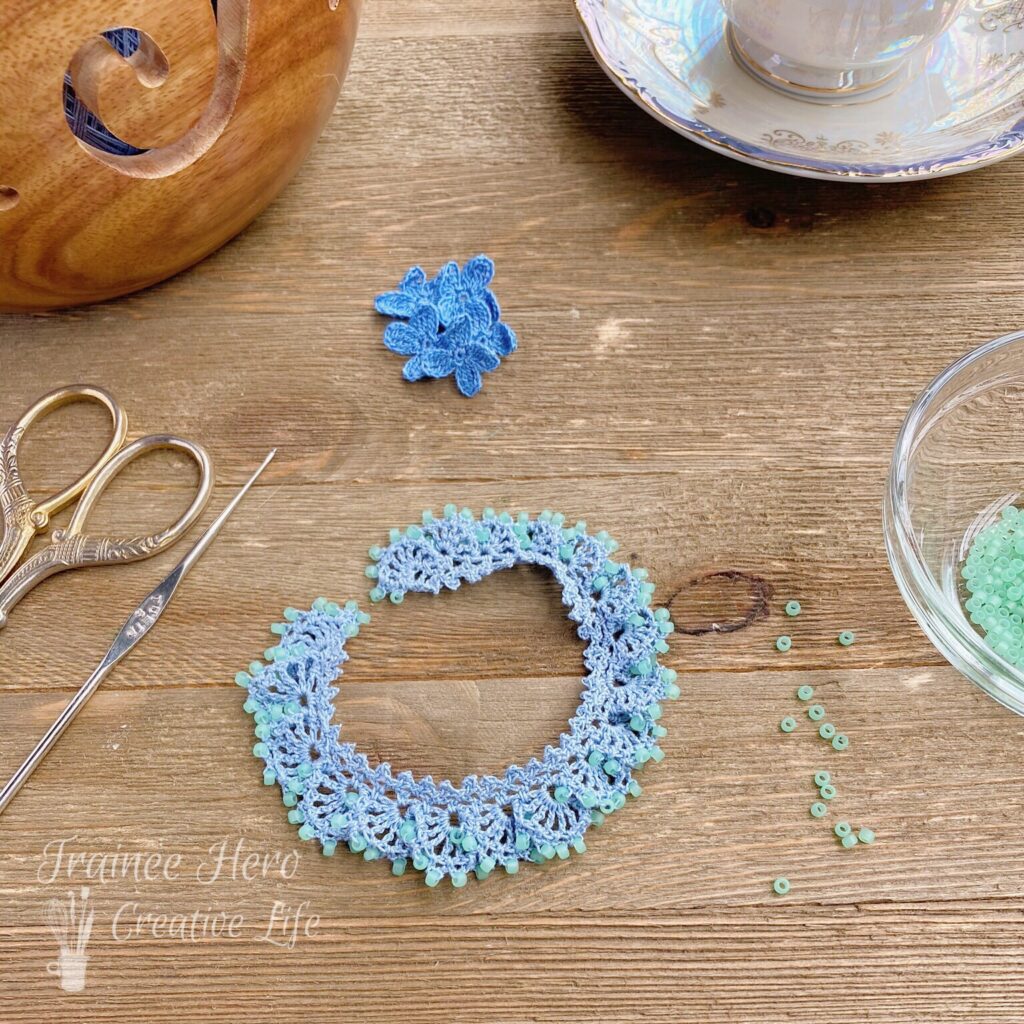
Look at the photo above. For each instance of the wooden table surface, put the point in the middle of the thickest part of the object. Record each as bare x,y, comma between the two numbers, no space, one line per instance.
714,364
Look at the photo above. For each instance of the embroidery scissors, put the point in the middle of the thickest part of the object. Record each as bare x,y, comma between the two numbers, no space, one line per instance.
72,547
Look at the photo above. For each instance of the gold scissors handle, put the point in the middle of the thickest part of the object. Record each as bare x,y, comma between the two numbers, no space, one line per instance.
74,549
23,518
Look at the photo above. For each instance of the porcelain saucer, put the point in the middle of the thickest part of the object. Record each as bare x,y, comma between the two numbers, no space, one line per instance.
961,105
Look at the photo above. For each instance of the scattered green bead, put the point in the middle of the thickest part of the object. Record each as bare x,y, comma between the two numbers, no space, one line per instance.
842,829
805,693
840,741
849,842
792,608
827,792
783,643
788,724
826,730
822,778
847,637
815,712
866,836
818,809
781,887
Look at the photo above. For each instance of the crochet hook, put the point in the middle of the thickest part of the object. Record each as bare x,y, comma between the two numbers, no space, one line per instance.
138,624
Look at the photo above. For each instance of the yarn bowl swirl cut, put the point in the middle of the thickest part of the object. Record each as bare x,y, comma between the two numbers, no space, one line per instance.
535,812
139,136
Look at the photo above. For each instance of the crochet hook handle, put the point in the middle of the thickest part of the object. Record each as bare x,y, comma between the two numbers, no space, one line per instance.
138,624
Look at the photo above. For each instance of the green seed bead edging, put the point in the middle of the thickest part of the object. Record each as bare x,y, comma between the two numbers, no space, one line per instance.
536,812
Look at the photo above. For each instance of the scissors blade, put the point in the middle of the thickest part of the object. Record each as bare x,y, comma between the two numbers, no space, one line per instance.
137,625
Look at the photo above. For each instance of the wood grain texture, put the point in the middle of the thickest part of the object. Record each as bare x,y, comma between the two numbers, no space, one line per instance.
714,365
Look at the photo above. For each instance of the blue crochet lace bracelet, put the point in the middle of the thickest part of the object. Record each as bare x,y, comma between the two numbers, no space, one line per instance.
534,812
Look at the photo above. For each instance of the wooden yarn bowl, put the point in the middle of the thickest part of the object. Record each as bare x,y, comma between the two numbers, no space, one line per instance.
225,106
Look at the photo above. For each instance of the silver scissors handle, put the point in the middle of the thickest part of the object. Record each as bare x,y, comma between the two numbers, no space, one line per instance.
72,548
24,518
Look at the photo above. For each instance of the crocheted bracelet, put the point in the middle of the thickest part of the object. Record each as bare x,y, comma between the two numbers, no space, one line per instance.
531,813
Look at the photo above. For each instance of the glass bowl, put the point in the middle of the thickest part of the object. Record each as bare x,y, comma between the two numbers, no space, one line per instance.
959,460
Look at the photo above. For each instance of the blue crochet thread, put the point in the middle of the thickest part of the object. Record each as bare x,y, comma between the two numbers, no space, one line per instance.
86,125
453,324
534,812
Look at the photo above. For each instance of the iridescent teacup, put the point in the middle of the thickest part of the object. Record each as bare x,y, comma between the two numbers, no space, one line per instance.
834,48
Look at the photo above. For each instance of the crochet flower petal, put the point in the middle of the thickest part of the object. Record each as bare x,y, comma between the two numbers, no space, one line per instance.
414,369
425,321
448,280
478,272
459,333
479,316
481,358
502,339
492,304
396,304
404,339
438,362
469,380
413,281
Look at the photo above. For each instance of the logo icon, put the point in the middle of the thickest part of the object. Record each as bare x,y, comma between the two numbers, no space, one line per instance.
71,923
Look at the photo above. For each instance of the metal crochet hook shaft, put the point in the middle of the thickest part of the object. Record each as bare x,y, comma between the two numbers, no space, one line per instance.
138,624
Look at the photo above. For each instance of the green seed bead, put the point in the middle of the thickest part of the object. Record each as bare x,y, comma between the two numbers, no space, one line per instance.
419,861
306,832
398,866
562,850
291,614
827,792
596,818
842,828
826,730
375,552
849,842
866,836
522,842
818,809
657,755
781,887
792,608
327,847
788,724
377,595
815,712
357,844
578,845
269,778
805,692
469,844
783,643
847,637
561,795
484,867
822,778
396,597
459,879
372,572
511,867
407,831
339,821
394,535
612,766
432,877
840,741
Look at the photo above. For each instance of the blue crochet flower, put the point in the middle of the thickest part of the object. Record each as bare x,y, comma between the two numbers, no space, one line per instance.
458,350
449,325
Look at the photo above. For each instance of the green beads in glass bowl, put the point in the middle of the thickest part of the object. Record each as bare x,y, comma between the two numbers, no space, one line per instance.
993,577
